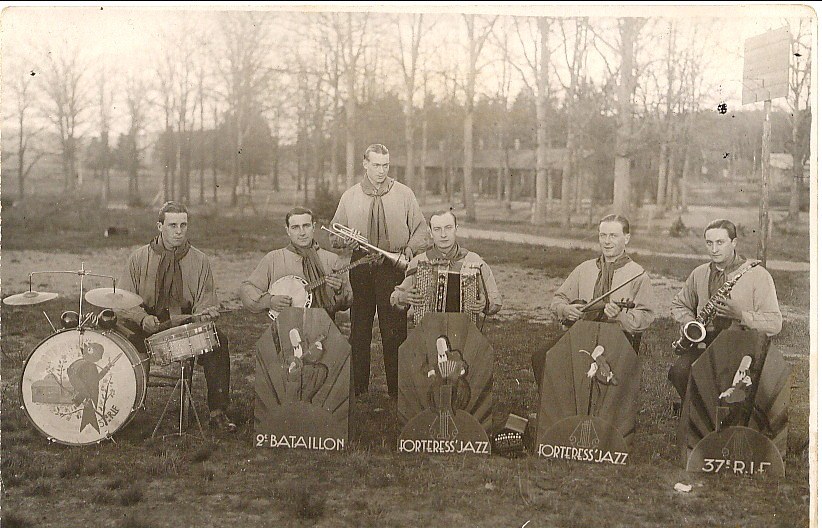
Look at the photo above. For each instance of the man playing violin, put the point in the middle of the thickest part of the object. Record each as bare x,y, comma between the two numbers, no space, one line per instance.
174,278
304,258
595,277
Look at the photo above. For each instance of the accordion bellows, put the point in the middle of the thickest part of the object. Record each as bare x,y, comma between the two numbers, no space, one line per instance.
432,282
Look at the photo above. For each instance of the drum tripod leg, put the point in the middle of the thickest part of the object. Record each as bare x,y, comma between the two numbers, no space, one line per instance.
184,384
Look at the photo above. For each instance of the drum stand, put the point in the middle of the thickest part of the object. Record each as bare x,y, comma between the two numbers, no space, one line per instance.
186,403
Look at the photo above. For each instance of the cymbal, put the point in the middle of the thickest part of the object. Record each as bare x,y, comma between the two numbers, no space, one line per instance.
29,297
109,298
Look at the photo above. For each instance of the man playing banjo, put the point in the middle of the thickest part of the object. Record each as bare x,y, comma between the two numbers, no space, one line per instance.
443,229
751,301
174,278
595,277
303,258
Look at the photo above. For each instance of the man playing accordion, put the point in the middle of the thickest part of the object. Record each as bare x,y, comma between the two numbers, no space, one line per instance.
447,252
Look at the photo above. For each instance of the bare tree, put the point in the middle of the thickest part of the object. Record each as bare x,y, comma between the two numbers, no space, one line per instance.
628,33
477,36
67,93
799,106
537,53
407,57
502,39
576,62
106,96
166,75
21,88
244,74
350,32
136,105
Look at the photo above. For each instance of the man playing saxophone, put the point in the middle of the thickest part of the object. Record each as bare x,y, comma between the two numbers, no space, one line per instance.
751,301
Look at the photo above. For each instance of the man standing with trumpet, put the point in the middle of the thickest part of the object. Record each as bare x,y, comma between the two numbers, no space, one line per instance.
387,213
751,301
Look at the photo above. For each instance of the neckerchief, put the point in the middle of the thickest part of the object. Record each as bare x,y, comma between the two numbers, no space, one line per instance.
377,225
716,279
605,277
313,270
453,255
168,287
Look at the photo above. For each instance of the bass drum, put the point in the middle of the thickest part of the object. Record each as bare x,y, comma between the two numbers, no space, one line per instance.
80,388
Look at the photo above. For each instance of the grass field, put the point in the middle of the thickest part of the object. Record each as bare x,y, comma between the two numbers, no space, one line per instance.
143,482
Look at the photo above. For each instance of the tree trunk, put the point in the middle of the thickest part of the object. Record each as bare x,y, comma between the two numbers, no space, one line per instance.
662,177
798,168
622,161
468,166
214,146
542,184
508,179
423,194
409,142
670,192
350,116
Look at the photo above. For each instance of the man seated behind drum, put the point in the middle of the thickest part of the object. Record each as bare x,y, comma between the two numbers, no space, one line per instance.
304,258
594,277
443,229
752,302
173,278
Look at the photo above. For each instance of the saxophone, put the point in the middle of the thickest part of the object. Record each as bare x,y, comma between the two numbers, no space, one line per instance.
694,332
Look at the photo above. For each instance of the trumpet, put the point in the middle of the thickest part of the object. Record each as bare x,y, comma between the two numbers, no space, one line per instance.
397,259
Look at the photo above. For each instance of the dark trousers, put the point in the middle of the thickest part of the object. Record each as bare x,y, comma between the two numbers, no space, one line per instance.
372,287
680,371
216,367
538,357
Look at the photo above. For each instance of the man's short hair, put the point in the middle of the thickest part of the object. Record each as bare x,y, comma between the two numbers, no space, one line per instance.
721,223
298,211
440,213
376,148
626,226
170,207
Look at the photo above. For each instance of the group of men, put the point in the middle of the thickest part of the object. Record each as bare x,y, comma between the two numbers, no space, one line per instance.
172,277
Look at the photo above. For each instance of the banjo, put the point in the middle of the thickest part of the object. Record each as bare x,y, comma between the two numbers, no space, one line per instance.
301,291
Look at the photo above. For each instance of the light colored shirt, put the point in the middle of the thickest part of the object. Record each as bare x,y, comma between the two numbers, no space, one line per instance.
493,297
282,262
140,277
755,292
403,217
580,285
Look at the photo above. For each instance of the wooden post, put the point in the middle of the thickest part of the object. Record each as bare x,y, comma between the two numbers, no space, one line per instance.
762,249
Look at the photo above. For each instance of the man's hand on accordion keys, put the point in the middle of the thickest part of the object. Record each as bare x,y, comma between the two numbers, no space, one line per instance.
474,305
411,297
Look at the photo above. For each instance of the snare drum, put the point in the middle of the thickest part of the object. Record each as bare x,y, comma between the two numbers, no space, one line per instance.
182,342
80,388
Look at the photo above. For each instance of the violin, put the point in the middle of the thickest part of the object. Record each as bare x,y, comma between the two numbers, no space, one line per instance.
591,311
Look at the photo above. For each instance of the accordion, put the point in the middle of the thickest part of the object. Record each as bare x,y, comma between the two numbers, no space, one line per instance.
444,290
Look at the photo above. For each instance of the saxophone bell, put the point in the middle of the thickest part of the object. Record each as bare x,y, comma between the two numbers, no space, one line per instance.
691,335
694,332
